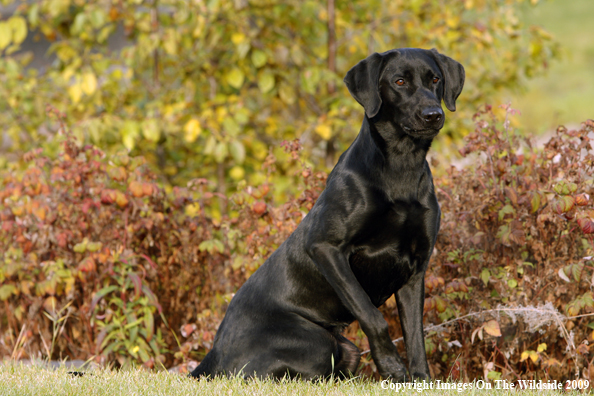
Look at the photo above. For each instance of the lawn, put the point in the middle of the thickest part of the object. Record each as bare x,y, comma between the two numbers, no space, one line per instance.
565,94
16,379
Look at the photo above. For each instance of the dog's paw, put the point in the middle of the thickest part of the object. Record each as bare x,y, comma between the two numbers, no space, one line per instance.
394,369
421,377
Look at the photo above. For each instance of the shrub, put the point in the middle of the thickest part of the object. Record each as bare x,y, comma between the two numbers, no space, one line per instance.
92,242
128,271
516,239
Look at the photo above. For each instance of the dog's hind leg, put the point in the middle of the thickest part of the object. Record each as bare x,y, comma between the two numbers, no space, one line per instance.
347,358
308,352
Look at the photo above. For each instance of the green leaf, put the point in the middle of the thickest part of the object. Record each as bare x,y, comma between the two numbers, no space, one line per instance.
220,152
219,245
576,270
535,201
100,294
243,48
79,24
98,17
235,78
206,246
231,126
94,246
507,209
485,275
150,130
144,356
266,81
33,15
81,247
6,291
259,58
237,151
210,145
149,324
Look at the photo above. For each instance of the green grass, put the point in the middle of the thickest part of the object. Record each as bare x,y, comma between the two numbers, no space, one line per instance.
565,95
16,379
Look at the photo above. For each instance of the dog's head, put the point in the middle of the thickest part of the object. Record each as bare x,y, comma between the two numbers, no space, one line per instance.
406,86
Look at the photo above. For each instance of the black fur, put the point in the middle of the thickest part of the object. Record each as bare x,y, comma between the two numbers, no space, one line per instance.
369,235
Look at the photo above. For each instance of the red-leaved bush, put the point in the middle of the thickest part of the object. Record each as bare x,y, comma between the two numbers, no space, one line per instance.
97,260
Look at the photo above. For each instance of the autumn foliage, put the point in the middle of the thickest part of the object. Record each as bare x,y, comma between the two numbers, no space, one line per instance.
98,260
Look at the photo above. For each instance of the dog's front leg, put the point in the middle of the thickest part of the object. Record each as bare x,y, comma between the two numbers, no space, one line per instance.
334,265
410,299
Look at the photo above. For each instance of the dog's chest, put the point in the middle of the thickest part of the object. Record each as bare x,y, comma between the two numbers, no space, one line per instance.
394,244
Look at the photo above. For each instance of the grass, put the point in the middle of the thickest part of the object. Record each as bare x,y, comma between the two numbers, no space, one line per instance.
565,94
16,379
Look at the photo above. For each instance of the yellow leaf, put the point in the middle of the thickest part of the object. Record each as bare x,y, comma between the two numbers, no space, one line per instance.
170,42
237,38
121,199
533,356
5,35
50,304
525,355
492,328
130,131
18,26
235,78
192,209
75,92
324,131
287,94
237,173
67,73
452,21
542,347
192,130
89,83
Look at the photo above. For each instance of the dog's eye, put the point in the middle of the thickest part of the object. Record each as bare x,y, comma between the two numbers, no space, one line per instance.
435,80
400,82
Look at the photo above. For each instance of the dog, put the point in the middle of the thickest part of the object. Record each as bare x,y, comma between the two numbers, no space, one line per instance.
369,235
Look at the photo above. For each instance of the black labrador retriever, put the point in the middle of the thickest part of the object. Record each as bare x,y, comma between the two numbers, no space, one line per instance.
369,235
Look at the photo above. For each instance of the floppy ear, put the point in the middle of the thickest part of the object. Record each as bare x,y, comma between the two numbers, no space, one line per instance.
363,80
453,74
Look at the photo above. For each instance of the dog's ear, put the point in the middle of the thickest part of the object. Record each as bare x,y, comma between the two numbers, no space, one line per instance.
363,83
453,74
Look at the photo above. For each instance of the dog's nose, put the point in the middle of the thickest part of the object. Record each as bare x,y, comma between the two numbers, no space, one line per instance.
432,115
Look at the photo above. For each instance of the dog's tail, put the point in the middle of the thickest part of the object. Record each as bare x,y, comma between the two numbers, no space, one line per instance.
348,357
206,368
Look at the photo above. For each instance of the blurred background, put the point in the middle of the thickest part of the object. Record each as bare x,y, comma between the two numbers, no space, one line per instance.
205,88
565,93
126,256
